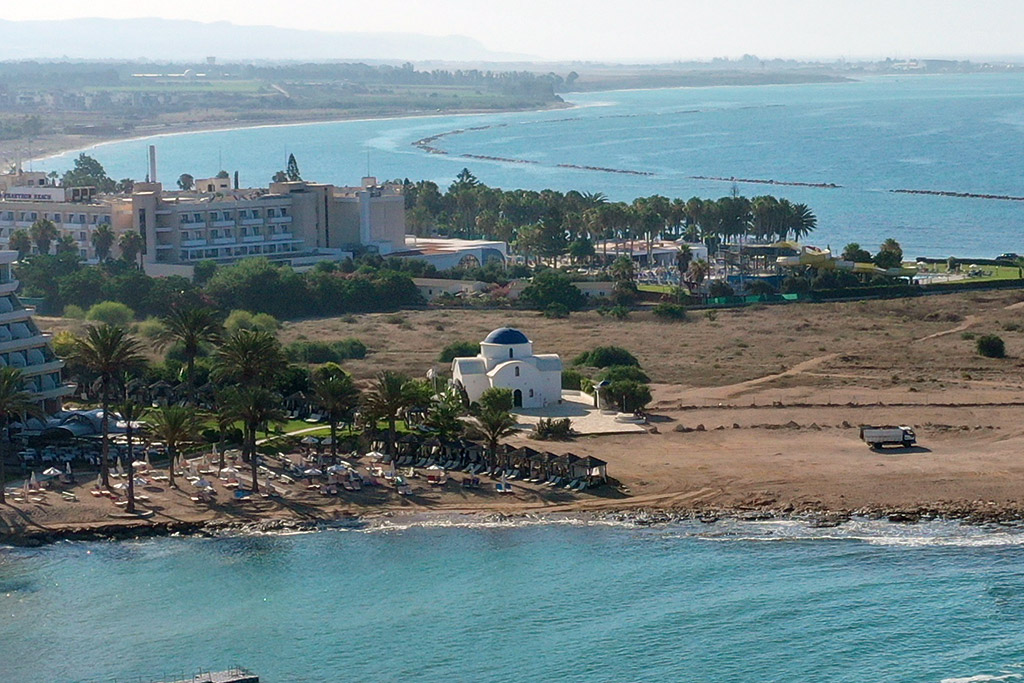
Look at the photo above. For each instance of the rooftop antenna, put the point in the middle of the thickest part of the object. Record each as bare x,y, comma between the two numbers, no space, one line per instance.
367,163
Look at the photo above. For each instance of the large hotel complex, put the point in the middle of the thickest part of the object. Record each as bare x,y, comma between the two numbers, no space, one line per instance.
299,222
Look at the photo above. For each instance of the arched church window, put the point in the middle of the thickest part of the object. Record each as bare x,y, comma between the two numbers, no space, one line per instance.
531,393
517,372
510,353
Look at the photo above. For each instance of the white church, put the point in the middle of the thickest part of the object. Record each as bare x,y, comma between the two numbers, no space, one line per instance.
506,360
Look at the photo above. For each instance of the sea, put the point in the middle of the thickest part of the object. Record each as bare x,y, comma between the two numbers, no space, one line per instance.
464,599
960,133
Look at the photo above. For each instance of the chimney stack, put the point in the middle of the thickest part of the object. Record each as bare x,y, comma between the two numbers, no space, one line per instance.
152,164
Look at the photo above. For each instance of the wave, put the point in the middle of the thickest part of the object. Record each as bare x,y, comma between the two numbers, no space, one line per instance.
979,678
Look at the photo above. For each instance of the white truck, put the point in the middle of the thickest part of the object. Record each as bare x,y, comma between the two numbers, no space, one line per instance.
876,437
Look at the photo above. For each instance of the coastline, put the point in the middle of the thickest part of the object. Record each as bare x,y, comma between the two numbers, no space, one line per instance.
977,514
48,147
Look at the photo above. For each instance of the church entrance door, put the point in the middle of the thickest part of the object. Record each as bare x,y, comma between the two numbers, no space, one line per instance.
517,398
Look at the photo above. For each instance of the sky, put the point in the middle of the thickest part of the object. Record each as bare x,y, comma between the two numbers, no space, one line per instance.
625,30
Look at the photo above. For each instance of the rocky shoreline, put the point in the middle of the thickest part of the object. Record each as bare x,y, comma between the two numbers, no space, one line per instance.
974,513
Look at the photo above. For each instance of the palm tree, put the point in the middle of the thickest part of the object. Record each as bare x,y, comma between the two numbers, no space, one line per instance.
225,417
337,395
175,426
130,244
699,270
102,241
254,406
386,399
191,327
21,243
108,352
42,232
66,244
249,358
495,424
683,258
14,403
131,412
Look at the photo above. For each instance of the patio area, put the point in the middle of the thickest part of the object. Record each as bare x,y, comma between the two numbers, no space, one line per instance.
579,408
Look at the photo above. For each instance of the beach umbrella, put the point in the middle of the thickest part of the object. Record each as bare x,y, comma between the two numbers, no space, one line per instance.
203,484
139,481
140,464
312,472
120,467
52,472
335,469
229,471
32,479
435,467
310,440
68,468
377,456
121,486
99,480
148,463
327,441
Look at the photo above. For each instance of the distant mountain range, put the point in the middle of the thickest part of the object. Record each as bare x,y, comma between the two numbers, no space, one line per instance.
183,41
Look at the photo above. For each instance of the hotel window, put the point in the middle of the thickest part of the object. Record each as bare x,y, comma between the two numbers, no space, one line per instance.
56,218
94,219
245,232
227,215
243,214
81,237
284,211
215,234
214,216
183,256
271,248
83,254
255,213
256,230
271,213
33,216
106,219
185,218
198,217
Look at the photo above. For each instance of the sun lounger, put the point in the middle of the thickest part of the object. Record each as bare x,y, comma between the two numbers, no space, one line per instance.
571,484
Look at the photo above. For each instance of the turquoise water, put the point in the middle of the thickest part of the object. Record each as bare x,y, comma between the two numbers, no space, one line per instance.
962,133
772,601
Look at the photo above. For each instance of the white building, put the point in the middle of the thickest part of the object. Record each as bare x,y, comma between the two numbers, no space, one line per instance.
506,360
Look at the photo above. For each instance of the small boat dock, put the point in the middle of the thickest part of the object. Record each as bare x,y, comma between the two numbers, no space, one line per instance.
233,675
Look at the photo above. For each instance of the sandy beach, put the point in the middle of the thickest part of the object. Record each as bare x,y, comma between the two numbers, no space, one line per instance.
731,440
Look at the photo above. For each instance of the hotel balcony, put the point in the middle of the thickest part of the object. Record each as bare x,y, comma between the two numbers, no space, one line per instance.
8,286
193,226
193,243
15,316
252,221
33,342
280,219
57,392
253,238
223,224
277,237
224,240
42,368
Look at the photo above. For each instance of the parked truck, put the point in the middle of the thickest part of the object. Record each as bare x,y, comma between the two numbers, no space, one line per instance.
876,437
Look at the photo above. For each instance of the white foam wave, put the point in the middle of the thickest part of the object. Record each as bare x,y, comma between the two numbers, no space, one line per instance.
981,677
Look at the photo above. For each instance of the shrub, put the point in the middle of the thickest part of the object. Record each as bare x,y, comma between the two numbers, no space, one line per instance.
571,379
552,429
149,328
111,313
556,310
458,349
618,373
605,356
325,352
618,312
991,346
968,336
719,288
796,285
551,286
264,322
669,311
74,312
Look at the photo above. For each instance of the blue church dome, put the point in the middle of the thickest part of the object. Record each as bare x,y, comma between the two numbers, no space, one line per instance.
506,335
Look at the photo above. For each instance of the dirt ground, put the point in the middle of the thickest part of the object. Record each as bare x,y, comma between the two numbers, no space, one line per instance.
755,409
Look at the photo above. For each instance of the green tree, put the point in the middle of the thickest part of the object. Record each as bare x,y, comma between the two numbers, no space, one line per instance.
186,182
337,396
253,406
110,313
107,352
15,404
175,426
292,170
854,252
387,398
444,413
279,177
249,358
66,244
21,243
88,172
132,413
629,395
192,328
551,286
497,399
131,244
495,424
458,349
103,241
43,232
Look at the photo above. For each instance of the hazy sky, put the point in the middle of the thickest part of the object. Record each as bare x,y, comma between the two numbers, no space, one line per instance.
624,29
